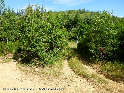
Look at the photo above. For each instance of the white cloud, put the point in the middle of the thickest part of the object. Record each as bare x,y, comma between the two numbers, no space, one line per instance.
70,2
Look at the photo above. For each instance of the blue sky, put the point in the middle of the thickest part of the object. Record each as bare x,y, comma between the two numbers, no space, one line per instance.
114,6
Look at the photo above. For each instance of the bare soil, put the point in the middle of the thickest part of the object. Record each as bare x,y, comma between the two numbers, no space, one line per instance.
68,82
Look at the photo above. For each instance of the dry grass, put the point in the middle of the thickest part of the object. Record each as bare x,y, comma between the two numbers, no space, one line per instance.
85,71
113,70
5,60
89,70
49,70
97,80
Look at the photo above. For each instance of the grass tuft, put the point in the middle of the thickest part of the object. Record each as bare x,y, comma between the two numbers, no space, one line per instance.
84,71
113,70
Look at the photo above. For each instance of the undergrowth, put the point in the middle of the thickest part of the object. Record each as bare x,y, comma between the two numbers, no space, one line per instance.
47,71
111,70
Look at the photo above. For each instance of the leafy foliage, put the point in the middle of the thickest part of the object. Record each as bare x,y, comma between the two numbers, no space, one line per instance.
120,26
8,31
42,38
98,37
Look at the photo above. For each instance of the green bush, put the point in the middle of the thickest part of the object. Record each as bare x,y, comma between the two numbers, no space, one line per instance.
98,37
8,31
9,47
71,24
42,40
120,49
41,37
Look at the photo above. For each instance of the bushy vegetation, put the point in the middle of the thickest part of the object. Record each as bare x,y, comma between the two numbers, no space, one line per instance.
9,34
99,36
41,37
120,38
113,70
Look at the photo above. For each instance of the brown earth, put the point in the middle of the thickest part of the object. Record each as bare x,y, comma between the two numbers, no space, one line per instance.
68,82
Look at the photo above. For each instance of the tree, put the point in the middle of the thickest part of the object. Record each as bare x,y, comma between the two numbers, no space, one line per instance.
2,5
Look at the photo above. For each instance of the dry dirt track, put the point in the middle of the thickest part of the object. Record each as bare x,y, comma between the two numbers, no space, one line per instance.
11,77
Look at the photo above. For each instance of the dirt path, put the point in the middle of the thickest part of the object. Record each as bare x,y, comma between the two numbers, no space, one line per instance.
11,77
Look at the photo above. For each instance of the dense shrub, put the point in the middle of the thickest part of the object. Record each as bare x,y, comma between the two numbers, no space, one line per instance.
43,39
71,24
98,36
8,31
120,49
